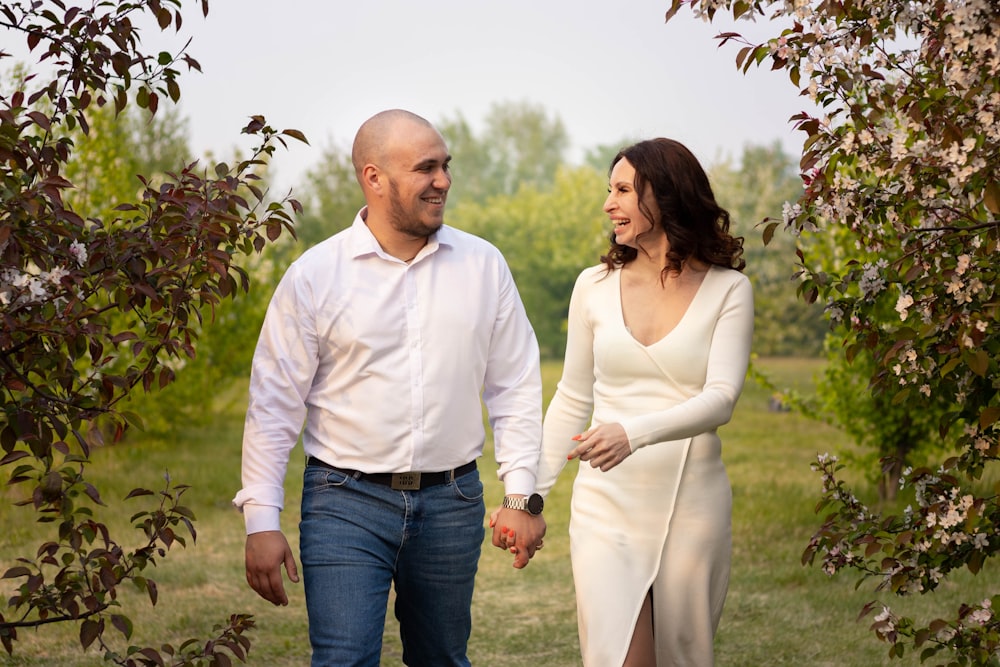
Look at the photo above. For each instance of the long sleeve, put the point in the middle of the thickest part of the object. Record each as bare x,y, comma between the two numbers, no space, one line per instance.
512,391
284,365
728,358
572,406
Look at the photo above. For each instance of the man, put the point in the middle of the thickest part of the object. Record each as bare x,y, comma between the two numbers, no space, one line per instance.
382,339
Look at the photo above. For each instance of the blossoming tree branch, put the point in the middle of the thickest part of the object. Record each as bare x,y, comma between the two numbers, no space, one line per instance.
902,173
94,308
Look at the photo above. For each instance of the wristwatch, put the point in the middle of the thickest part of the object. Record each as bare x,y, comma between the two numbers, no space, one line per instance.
532,504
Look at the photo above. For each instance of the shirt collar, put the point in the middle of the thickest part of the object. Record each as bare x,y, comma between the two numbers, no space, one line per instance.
364,244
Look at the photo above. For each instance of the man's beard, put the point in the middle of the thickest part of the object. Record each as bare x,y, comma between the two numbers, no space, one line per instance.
403,218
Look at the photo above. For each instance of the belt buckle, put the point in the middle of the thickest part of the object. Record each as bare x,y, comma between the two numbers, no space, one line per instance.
405,481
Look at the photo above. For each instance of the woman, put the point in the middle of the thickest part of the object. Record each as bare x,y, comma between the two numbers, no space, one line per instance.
656,355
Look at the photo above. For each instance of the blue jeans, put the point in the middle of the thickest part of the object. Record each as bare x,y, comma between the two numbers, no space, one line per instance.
357,538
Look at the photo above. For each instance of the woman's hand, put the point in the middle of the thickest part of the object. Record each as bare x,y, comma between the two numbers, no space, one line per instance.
521,541
603,447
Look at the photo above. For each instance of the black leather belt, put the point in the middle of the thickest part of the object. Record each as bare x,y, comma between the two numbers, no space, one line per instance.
400,481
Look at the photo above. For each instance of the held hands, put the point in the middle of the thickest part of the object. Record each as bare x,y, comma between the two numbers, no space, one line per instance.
266,552
603,447
518,532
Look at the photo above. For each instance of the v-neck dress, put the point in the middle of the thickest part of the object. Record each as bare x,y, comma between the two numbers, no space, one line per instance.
659,521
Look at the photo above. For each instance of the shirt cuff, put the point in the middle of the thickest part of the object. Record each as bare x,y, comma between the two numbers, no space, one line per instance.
260,518
519,482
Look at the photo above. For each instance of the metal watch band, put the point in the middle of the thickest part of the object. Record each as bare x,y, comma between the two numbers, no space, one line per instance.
513,503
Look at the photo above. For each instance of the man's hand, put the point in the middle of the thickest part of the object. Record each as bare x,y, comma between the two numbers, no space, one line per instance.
519,532
265,553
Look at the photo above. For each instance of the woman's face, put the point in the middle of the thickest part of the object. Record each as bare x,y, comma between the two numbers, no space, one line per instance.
622,206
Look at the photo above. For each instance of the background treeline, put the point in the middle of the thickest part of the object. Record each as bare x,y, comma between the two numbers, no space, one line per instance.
515,185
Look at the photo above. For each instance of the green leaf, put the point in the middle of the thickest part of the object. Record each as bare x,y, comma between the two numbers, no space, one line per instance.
991,197
901,396
89,631
949,366
768,233
295,134
988,417
979,362
675,5
975,562
184,511
14,572
164,17
742,54
174,90
123,624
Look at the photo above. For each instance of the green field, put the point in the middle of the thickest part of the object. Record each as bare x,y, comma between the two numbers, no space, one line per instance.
778,612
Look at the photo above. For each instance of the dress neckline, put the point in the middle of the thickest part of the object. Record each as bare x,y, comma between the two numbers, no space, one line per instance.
628,330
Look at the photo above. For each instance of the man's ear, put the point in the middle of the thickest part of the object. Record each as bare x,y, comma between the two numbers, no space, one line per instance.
371,177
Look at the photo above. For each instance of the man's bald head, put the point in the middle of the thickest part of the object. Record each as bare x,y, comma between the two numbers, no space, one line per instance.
374,135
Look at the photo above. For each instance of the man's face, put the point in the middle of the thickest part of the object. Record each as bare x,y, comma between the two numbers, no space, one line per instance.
418,180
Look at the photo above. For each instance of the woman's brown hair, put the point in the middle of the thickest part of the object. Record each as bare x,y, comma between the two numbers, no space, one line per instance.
696,226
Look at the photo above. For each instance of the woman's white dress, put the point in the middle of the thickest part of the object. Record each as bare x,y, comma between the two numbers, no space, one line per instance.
660,520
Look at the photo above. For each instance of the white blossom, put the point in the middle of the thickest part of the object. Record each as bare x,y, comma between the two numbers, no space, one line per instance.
872,281
983,615
79,252
55,276
903,304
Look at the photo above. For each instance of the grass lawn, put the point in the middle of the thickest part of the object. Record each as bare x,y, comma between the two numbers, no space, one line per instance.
777,613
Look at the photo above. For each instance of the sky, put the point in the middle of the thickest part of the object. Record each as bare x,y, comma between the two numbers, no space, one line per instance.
609,70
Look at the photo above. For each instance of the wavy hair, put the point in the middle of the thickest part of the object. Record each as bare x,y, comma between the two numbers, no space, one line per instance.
696,226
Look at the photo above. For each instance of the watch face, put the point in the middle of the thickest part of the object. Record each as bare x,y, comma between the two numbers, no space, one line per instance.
535,503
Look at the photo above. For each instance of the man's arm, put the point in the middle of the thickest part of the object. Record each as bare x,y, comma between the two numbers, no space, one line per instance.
513,398
283,367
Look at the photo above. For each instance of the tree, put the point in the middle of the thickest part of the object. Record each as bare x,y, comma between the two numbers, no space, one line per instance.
548,235
599,157
757,190
892,436
96,307
116,147
520,145
333,197
104,168
904,160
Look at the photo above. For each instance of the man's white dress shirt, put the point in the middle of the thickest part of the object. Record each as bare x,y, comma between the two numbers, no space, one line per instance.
385,362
